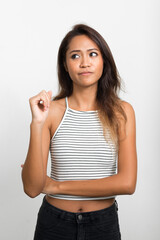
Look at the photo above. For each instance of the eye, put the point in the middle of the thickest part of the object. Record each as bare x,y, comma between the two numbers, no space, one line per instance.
93,54
74,56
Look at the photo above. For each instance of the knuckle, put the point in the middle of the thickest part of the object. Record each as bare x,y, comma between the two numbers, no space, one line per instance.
43,94
30,99
43,91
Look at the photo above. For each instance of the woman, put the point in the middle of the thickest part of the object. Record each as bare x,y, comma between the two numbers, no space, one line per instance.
91,135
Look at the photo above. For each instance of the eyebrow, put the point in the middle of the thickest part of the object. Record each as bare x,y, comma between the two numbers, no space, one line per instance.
87,50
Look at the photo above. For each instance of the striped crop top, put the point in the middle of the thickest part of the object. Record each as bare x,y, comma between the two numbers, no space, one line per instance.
79,151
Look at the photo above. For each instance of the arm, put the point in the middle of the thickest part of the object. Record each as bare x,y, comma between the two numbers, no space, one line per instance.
124,182
35,166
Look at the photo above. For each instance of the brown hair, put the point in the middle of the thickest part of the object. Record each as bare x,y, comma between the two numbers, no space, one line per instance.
109,104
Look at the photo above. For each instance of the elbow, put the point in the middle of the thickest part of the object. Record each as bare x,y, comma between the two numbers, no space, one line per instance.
130,188
127,185
30,193
30,189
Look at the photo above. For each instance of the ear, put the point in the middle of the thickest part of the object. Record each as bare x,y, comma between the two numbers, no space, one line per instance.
65,66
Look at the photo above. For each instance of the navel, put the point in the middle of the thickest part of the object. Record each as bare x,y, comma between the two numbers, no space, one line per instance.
80,210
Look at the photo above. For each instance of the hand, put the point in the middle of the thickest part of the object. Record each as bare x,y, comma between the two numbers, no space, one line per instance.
50,187
39,105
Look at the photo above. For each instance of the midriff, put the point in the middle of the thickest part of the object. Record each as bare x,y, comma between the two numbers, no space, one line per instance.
80,205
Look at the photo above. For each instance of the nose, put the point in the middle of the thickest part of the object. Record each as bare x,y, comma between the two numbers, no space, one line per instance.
85,62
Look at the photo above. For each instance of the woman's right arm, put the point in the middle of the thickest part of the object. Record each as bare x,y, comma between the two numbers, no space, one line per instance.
35,167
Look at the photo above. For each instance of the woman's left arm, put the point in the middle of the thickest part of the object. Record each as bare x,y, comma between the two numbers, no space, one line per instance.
124,182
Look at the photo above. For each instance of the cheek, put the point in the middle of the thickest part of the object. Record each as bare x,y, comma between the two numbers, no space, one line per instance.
100,66
70,66
71,70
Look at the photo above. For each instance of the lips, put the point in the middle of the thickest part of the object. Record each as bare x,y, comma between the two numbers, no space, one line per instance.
85,73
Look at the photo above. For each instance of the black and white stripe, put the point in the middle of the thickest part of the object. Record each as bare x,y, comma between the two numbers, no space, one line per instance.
79,150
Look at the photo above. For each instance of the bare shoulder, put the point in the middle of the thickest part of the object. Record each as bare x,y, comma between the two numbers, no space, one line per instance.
57,106
127,106
55,115
130,124
128,109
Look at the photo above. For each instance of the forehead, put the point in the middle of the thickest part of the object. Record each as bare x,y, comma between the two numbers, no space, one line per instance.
81,42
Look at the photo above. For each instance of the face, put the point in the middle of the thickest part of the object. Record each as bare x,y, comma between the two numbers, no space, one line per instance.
84,61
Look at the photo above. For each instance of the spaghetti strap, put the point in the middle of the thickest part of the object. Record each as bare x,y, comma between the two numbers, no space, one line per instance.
66,102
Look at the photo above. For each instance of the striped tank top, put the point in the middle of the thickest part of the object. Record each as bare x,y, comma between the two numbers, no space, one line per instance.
79,151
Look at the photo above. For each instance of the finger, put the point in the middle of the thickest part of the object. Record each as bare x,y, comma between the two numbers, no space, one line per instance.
50,94
48,97
39,98
44,99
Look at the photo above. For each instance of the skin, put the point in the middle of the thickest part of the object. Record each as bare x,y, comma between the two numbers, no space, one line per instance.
79,58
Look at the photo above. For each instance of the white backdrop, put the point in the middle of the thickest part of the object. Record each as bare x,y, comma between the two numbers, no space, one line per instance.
30,34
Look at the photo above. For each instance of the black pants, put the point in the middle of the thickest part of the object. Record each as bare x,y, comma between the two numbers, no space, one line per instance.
56,224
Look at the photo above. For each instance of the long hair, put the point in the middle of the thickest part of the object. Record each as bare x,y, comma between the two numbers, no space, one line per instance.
110,109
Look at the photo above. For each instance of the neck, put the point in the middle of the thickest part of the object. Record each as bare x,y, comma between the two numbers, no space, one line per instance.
83,100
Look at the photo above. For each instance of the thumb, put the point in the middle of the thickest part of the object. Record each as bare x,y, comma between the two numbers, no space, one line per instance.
50,94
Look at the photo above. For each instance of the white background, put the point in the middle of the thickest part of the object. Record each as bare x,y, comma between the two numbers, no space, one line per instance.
30,34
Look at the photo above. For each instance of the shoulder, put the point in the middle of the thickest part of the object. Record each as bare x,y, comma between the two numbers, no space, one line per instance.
56,111
128,109
127,106
57,106
127,127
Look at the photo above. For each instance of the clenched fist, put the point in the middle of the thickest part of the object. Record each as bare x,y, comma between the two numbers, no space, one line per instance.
39,105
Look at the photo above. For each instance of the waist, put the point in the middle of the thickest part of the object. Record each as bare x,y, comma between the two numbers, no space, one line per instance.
80,205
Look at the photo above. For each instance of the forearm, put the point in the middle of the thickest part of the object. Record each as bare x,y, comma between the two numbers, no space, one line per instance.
109,186
33,172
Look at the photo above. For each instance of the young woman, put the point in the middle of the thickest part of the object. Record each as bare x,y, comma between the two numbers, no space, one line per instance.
91,135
